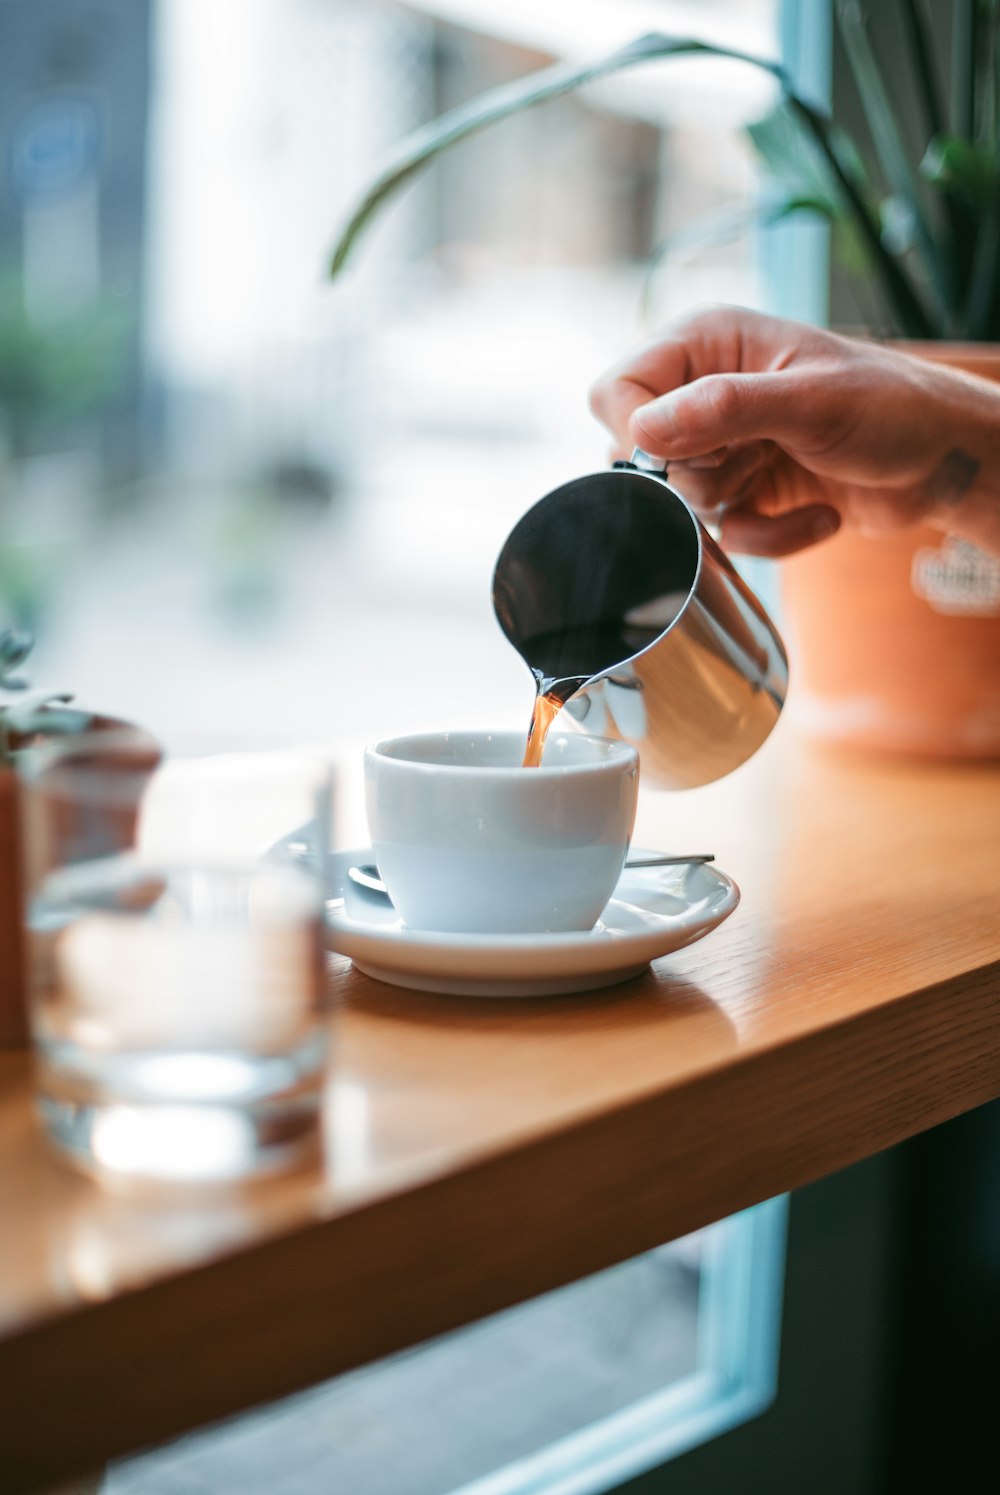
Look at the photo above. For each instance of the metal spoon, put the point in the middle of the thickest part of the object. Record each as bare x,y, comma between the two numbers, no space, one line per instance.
366,876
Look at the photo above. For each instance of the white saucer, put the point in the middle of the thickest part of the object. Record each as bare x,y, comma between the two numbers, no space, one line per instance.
655,910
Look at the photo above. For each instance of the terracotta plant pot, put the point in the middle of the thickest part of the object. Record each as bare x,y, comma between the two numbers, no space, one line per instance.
142,749
894,642
13,1019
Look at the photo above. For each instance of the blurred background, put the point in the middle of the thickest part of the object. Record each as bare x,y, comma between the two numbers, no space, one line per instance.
237,497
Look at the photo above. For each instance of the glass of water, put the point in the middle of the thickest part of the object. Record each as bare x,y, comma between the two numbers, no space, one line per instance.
175,919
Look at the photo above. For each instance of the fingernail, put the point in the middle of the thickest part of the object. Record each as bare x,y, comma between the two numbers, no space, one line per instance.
658,427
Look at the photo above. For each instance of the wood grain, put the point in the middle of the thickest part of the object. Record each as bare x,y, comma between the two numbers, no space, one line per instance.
479,1152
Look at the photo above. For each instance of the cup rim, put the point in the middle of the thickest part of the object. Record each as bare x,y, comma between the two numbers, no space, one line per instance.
621,754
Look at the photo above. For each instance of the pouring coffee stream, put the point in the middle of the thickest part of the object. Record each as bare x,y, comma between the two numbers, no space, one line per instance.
565,673
629,615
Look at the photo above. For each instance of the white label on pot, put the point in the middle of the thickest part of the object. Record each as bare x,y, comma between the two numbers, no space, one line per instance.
957,577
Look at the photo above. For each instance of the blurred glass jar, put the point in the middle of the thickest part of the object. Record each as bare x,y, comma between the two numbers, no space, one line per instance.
175,929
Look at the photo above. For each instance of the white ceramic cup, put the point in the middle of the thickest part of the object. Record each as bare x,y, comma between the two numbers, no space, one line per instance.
469,842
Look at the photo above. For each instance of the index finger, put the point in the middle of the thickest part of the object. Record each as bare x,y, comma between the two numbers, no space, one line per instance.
713,340
653,370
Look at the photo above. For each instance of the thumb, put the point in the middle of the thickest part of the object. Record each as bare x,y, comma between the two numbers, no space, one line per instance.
719,409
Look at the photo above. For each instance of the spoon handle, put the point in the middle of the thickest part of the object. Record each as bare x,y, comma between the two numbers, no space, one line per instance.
665,861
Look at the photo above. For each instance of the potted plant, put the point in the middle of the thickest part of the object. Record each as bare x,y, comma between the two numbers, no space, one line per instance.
895,642
31,720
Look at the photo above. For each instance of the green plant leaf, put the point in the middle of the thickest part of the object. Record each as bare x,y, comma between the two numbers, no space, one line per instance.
982,313
15,646
959,166
959,227
27,715
424,144
964,29
900,174
899,228
51,721
923,65
499,103
987,100
791,158
724,228
850,250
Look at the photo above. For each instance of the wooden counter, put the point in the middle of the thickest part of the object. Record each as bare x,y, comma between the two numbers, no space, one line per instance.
479,1152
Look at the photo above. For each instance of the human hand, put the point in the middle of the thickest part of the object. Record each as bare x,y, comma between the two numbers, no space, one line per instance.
780,432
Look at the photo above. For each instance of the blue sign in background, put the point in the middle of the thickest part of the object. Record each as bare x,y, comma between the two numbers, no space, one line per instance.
55,146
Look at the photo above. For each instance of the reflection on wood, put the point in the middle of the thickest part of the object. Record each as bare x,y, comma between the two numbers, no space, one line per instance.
481,1152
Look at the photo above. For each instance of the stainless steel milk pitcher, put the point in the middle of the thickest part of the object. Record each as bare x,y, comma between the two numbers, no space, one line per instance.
612,585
